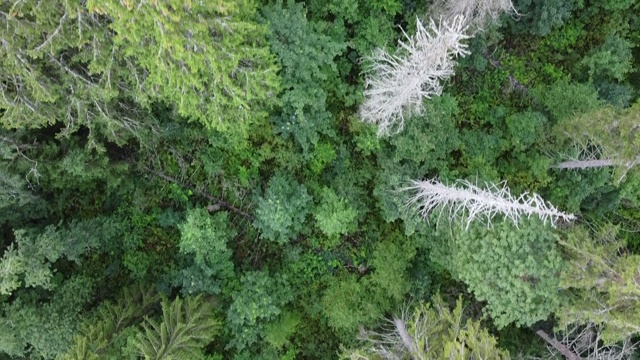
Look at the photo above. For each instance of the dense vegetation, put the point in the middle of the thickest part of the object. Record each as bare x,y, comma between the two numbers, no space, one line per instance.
236,179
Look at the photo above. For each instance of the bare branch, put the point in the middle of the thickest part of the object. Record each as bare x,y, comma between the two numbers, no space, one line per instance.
469,201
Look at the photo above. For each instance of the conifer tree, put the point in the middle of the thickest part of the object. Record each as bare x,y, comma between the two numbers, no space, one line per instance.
185,328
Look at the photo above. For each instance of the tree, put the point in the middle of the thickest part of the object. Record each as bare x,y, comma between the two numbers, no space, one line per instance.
335,216
397,84
260,299
306,56
466,202
515,270
203,243
104,334
476,12
605,137
41,324
431,331
186,327
101,64
29,260
281,212
210,62
604,281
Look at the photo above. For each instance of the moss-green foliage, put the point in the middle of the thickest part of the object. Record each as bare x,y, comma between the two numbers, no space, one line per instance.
282,210
306,57
540,17
610,61
29,261
334,215
515,270
351,301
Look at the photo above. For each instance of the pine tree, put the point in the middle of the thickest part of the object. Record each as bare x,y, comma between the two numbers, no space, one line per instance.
100,336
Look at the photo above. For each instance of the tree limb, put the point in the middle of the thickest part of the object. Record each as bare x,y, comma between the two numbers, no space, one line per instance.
558,346
218,202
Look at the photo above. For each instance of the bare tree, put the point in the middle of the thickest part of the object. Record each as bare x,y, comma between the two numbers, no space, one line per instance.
468,201
397,84
476,12
585,342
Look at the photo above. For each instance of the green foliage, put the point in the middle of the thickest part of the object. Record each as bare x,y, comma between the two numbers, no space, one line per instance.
540,17
390,262
306,57
323,154
104,335
186,326
611,60
350,302
203,241
260,299
55,73
210,62
603,281
431,331
89,65
13,192
281,212
565,100
347,304
42,327
277,333
524,129
29,260
515,270
334,216
182,144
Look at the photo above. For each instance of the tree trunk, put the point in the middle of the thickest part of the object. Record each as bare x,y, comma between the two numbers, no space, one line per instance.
588,164
558,346
584,164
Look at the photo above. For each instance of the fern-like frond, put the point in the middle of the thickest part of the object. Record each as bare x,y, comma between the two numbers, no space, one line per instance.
187,326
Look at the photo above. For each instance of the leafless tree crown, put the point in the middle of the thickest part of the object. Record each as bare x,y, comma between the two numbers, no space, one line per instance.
397,84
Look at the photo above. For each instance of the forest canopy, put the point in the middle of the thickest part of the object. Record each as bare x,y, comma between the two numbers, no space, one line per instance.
319,179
